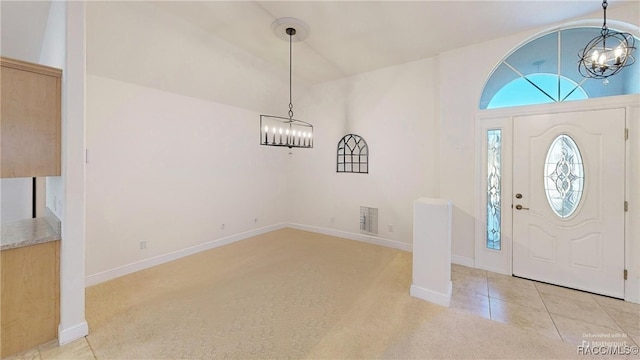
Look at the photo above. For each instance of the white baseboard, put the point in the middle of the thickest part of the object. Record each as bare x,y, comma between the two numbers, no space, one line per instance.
353,236
75,332
161,259
494,270
463,260
432,296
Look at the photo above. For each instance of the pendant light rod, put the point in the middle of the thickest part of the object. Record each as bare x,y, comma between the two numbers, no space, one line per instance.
290,32
604,16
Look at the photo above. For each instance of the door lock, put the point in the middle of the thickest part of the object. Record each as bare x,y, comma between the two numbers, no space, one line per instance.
518,196
519,207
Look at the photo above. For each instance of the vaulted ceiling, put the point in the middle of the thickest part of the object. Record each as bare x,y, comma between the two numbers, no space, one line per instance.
226,51
346,37
351,37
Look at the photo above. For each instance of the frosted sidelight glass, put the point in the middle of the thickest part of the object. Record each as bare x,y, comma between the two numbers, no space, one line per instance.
494,176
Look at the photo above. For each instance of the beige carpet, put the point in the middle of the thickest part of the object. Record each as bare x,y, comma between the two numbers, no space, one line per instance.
292,294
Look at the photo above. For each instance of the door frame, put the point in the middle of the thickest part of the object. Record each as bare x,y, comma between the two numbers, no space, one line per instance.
500,261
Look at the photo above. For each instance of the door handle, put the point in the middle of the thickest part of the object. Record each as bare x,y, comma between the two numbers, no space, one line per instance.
519,207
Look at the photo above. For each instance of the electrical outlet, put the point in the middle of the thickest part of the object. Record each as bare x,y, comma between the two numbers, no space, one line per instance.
143,245
222,227
255,220
390,227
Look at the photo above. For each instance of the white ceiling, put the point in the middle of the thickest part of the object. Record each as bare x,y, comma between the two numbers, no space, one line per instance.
351,37
225,51
22,27
346,37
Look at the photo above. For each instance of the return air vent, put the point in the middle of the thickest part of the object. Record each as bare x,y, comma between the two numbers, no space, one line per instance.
368,220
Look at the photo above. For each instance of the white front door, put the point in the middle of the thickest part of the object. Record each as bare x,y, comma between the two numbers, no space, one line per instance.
568,199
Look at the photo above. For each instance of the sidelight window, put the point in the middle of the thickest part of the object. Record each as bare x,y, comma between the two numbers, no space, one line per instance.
494,185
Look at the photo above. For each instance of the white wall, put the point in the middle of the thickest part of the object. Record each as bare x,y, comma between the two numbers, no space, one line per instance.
460,87
170,170
418,119
72,247
16,197
393,109
53,53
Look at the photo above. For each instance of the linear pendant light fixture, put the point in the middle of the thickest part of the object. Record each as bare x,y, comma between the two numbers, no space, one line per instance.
607,54
287,131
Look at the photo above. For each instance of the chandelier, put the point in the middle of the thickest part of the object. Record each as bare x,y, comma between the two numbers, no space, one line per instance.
287,131
607,54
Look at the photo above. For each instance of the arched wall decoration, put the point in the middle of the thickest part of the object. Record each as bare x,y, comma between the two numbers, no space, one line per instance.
353,155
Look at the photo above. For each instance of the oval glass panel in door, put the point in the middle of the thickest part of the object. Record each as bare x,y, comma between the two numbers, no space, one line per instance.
564,176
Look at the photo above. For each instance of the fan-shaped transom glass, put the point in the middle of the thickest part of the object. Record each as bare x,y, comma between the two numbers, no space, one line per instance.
564,176
522,91
545,70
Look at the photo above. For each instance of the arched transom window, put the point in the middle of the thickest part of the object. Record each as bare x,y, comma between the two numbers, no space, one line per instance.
545,70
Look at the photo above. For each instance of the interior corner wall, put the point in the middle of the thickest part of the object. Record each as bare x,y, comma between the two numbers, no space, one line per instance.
170,170
393,110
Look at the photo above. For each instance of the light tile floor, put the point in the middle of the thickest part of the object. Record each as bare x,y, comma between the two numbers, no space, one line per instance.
77,350
556,312
559,313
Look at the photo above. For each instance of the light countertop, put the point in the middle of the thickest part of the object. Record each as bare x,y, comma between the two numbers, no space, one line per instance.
30,231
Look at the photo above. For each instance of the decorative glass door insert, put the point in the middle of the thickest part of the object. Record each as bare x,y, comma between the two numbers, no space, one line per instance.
563,176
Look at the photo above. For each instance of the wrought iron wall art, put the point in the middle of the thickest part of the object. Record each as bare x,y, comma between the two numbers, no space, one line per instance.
353,155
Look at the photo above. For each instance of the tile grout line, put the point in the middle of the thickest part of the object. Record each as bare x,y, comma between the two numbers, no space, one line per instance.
549,312
486,277
609,315
90,348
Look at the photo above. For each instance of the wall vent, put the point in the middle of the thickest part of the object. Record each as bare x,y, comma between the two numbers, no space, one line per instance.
368,220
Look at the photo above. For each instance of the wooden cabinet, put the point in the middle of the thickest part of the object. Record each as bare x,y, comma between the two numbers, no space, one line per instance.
30,113
30,301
